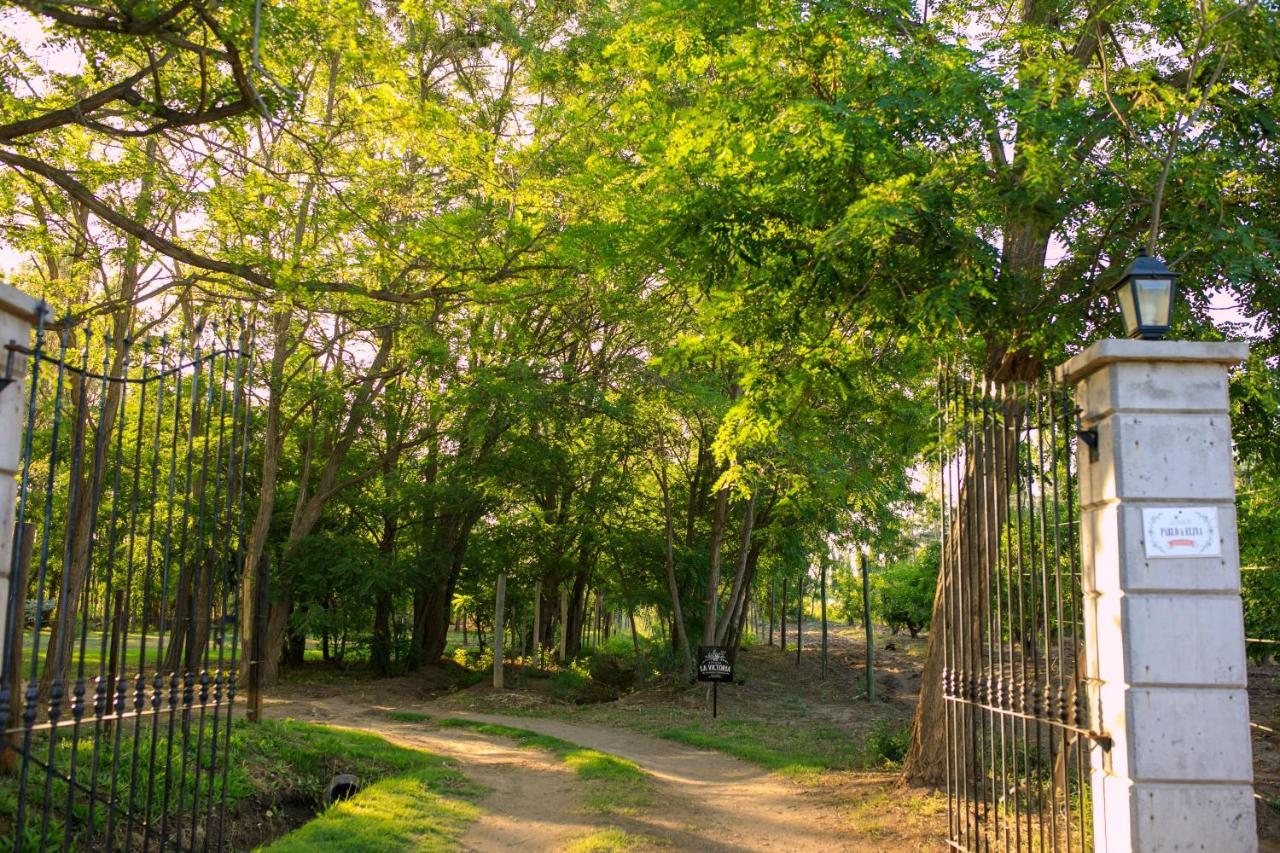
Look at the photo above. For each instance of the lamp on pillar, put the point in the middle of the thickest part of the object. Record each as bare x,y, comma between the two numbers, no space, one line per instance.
1145,293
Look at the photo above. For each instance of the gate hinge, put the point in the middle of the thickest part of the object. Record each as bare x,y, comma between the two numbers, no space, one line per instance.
8,378
1090,438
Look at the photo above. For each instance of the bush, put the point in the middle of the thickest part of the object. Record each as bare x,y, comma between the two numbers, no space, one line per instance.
887,744
1260,589
902,594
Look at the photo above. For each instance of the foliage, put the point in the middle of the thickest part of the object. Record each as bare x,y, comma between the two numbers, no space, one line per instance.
902,593
632,300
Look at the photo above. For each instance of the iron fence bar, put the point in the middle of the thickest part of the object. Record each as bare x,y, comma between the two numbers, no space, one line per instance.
948,581
1001,511
17,594
1059,697
969,739
121,684
176,643
161,647
986,733
244,356
54,661
191,568
77,704
29,711
100,689
145,827
1015,713
141,698
209,568
1020,394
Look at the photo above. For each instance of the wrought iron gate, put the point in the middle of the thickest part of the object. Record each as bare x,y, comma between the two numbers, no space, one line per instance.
120,657
1018,715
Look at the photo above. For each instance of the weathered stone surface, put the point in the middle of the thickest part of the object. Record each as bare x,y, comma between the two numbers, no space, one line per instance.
1165,636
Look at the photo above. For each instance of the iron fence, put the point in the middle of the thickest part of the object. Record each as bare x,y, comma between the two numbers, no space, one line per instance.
120,663
1018,714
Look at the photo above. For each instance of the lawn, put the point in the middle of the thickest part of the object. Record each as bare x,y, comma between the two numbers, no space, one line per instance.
277,774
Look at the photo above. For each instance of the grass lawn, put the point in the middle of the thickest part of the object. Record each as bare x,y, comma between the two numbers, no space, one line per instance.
411,800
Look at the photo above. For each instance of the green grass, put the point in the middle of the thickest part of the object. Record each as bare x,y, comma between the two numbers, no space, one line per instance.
412,800
609,840
270,764
96,661
616,785
420,810
409,716
800,752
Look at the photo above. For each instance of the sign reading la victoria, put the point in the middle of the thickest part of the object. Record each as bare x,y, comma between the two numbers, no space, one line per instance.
713,664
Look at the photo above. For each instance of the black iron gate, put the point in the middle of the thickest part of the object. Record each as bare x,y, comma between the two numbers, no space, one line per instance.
1018,716
120,653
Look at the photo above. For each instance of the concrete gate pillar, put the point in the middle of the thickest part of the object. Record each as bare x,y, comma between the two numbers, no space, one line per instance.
1164,625
17,316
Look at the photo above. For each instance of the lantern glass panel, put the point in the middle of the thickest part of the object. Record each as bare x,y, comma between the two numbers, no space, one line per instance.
1128,311
1153,300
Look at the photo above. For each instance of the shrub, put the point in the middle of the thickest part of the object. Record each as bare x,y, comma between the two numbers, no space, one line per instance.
902,594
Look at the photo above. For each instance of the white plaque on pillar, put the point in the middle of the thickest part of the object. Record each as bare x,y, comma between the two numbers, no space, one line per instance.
1181,531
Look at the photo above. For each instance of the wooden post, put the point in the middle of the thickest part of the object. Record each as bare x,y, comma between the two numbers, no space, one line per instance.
823,589
254,699
537,626
499,639
564,623
783,611
772,601
866,627
799,617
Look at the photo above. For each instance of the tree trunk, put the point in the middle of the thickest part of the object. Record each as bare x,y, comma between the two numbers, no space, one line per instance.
748,522
380,649
713,576
673,589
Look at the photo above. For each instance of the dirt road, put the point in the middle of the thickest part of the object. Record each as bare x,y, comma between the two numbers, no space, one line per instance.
704,800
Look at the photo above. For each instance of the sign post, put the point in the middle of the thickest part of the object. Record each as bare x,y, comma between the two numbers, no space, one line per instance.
714,666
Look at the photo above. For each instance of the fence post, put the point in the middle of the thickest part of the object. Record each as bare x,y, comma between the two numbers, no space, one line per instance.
1163,621
18,314
499,638
260,603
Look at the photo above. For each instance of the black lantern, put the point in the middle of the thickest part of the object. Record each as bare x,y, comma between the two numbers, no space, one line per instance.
1145,294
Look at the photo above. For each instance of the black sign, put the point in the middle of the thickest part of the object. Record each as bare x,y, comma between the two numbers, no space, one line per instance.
713,664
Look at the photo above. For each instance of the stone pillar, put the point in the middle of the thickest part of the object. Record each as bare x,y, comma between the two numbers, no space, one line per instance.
17,316
1161,576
